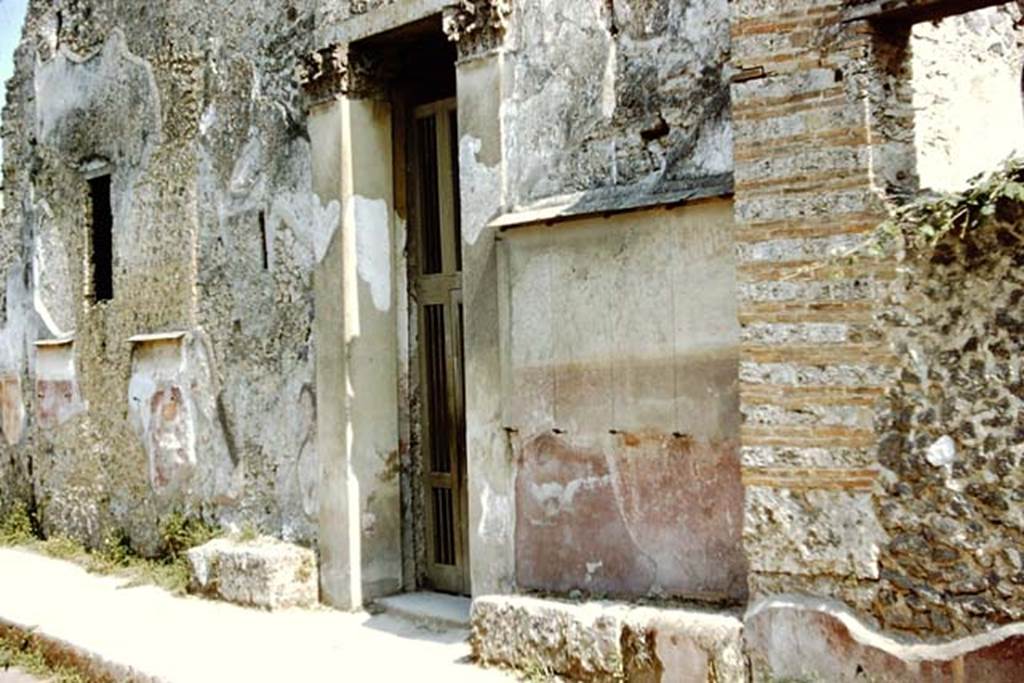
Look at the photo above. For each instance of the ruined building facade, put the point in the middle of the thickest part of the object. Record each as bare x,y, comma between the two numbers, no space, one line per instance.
506,297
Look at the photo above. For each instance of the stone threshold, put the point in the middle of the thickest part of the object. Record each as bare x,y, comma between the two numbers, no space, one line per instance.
432,609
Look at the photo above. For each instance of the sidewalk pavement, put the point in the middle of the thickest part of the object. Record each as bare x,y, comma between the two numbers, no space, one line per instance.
146,634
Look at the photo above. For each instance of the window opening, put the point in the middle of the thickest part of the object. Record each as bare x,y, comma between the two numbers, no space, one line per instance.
102,239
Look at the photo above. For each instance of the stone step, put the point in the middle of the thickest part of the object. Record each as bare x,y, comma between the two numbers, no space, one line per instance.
434,609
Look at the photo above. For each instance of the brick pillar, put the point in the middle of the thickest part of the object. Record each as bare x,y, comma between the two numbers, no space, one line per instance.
822,133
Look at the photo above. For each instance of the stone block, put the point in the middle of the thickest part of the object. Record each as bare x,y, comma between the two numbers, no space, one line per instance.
583,641
263,573
796,532
604,641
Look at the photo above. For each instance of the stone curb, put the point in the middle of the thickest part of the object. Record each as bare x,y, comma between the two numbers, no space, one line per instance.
93,666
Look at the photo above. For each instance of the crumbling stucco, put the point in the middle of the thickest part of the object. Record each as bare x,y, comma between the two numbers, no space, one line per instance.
620,392
625,97
192,109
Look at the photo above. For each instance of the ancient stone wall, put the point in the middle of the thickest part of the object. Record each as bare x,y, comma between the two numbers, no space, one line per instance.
193,110
813,154
951,435
625,97
839,503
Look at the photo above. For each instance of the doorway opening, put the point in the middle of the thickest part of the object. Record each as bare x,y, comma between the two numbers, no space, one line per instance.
421,62
437,288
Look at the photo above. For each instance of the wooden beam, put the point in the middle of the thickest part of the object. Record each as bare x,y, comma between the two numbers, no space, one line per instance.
912,11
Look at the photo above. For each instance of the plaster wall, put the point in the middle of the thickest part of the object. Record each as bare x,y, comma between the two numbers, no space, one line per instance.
358,360
620,353
968,103
482,85
193,110
623,98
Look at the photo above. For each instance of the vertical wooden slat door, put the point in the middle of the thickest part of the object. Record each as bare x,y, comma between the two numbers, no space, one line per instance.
438,291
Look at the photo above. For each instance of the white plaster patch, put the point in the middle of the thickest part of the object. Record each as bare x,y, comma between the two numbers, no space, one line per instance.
55,363
373,248
609,97
15,334
942,452
247,173
555,498
69,84
312,224
208,120
51,275
495,513
163,412
479,185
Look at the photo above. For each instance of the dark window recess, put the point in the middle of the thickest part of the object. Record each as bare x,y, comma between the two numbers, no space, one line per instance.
263,241
102,239
430,202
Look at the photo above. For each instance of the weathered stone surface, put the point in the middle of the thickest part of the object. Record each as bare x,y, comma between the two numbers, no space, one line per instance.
605,641
638,86
950,438
192,108
812,532
852,490
262,573
58,398
966,69
799,638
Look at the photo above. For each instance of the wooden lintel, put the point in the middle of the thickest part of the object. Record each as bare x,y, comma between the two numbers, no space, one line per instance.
913,11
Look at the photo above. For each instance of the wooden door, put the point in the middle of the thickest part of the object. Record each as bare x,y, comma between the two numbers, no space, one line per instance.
438,292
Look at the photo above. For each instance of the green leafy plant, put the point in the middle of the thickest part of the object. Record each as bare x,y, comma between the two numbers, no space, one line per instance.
179,533
24,651
248,533
16,526
116,556
919,225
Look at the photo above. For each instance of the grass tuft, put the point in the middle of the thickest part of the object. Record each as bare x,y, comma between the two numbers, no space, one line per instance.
24,652
115,556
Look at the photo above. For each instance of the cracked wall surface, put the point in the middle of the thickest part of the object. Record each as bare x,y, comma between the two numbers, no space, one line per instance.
193,110
621,396
624,97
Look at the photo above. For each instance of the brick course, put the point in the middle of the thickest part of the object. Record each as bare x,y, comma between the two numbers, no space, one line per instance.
808,189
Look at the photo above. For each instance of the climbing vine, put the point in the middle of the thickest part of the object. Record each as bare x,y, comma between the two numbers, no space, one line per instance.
920,225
